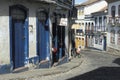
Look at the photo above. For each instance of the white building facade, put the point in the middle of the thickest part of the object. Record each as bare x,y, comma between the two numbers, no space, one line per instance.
100,29
113,37
85,19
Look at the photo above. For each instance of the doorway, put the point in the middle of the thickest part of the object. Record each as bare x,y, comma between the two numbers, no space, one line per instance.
42,35
18,35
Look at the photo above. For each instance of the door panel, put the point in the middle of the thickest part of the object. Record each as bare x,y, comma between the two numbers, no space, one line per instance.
41,40
19,44
41,36
18,35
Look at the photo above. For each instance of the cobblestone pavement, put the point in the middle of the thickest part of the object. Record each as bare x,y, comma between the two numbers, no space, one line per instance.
35,74
96,65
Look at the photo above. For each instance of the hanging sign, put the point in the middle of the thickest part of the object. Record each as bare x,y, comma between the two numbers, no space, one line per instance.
63,22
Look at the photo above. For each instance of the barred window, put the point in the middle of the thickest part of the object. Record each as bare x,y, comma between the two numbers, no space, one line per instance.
112,40
113,11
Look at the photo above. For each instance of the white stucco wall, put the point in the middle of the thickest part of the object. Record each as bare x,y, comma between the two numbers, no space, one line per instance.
82,16
109,44
116,4
5,32
94,7
99,46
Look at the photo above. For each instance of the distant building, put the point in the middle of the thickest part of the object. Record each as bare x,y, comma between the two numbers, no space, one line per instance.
100,29
113,36
86,21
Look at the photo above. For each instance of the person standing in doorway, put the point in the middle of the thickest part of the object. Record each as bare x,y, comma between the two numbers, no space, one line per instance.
78,51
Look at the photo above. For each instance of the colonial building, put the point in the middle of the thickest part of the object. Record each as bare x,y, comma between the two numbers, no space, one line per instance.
100,29
86,21
113,37
27,31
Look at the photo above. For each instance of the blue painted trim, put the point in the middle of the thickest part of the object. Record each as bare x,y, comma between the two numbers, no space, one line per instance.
48,38
10,31
26,46
42,46
47,43
37,47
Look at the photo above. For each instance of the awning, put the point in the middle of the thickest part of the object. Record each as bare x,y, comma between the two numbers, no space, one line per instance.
75,26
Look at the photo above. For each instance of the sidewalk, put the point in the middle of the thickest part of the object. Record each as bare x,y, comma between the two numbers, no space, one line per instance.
93,49
75,62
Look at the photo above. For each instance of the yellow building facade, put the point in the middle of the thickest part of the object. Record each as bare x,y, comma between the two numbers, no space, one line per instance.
79,35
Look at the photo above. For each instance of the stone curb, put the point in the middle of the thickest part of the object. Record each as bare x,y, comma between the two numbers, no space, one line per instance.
56,70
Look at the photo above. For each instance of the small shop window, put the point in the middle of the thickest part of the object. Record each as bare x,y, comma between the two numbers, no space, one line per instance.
113,11
112,40
83,42
96,40
100,40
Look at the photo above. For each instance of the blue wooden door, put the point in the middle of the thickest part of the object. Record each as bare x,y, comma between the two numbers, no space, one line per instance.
41,41
19,39
42,36
47,39
18,36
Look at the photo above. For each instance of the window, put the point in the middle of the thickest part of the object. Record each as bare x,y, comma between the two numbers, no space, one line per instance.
100,22
118,41
82,24
100,39
92,28
82,12
119,10
96,40
88,27
113,11
112,36
96,24
104,23
79,12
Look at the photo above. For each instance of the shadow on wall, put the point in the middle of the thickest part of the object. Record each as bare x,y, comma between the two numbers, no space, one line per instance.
103,73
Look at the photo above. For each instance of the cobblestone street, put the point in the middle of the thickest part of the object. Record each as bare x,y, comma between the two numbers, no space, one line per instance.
96,65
